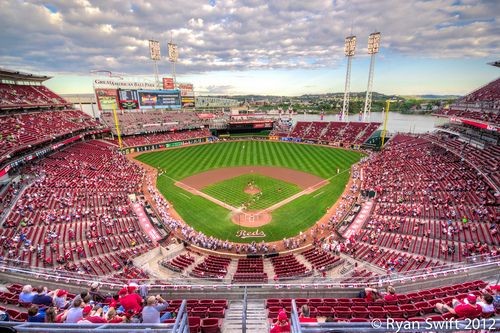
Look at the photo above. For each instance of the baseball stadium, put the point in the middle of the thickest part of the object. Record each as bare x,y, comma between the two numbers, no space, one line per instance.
152,208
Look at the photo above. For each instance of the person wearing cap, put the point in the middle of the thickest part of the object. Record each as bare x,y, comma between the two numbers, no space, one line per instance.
92,315
129,300
95,294
281,325
486,303
60,300
27,294
151,312
468,309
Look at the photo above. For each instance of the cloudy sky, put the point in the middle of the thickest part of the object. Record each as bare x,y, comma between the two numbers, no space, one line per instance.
254,46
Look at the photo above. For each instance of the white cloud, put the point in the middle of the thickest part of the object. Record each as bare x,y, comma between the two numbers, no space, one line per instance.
237,35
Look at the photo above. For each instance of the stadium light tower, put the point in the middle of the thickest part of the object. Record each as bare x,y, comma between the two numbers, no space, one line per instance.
154,52
373,46
349,48
173,56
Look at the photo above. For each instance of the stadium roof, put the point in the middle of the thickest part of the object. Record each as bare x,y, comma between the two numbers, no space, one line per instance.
7,74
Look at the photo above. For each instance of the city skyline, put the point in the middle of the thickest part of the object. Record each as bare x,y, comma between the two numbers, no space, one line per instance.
254,47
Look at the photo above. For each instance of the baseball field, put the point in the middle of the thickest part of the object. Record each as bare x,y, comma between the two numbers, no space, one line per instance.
254,174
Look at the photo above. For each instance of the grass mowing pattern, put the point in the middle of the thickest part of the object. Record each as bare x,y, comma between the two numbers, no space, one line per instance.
288,220
232,191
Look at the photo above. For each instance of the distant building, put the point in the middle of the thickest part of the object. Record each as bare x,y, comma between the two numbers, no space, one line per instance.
215,102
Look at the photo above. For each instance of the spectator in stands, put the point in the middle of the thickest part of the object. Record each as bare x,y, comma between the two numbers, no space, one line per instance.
469,309
305,315
151,312
36,315
92,315
486,303
95,294
42,298
130,300
390,296
74,314
50,315
281,324
60,301
27,294
113,317
371,295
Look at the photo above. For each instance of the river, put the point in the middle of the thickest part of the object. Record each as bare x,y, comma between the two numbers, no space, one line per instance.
397,122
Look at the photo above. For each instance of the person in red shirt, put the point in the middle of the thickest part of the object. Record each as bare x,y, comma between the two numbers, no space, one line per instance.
371,295
131,301
391,294
282,324
463,310
93,316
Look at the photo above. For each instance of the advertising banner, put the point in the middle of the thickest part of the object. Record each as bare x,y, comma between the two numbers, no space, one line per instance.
128,99
107,99
187,101
186,89
168,83
159,99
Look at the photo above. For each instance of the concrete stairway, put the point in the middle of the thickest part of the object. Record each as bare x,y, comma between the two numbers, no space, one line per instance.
256,317
300,258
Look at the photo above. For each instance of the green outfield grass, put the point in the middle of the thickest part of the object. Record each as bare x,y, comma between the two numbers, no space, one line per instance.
288,220
232,191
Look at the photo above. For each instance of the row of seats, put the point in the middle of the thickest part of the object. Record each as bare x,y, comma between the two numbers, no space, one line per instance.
20,131
76,215
347,133
157,138
135,122
18,96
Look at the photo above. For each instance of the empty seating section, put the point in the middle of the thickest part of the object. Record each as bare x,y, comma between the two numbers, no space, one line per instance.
483,104
179,263
212,267
16,96
287,266
321,260
17,131
315,130
76,215
429,205
136,122
345,133
486,159
149,139
250,270
412,306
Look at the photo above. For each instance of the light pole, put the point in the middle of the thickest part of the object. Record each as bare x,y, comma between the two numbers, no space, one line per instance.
349,48
373,47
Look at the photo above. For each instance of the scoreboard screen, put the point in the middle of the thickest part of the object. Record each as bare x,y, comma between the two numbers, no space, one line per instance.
159,99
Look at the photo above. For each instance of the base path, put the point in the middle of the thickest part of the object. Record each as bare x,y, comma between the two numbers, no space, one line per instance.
299,178
307,182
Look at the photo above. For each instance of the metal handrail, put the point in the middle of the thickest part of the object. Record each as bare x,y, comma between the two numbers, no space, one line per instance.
482,261
244,313
181,320
294,319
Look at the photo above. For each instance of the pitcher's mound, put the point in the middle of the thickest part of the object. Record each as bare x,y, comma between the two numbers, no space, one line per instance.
251,218
252,190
